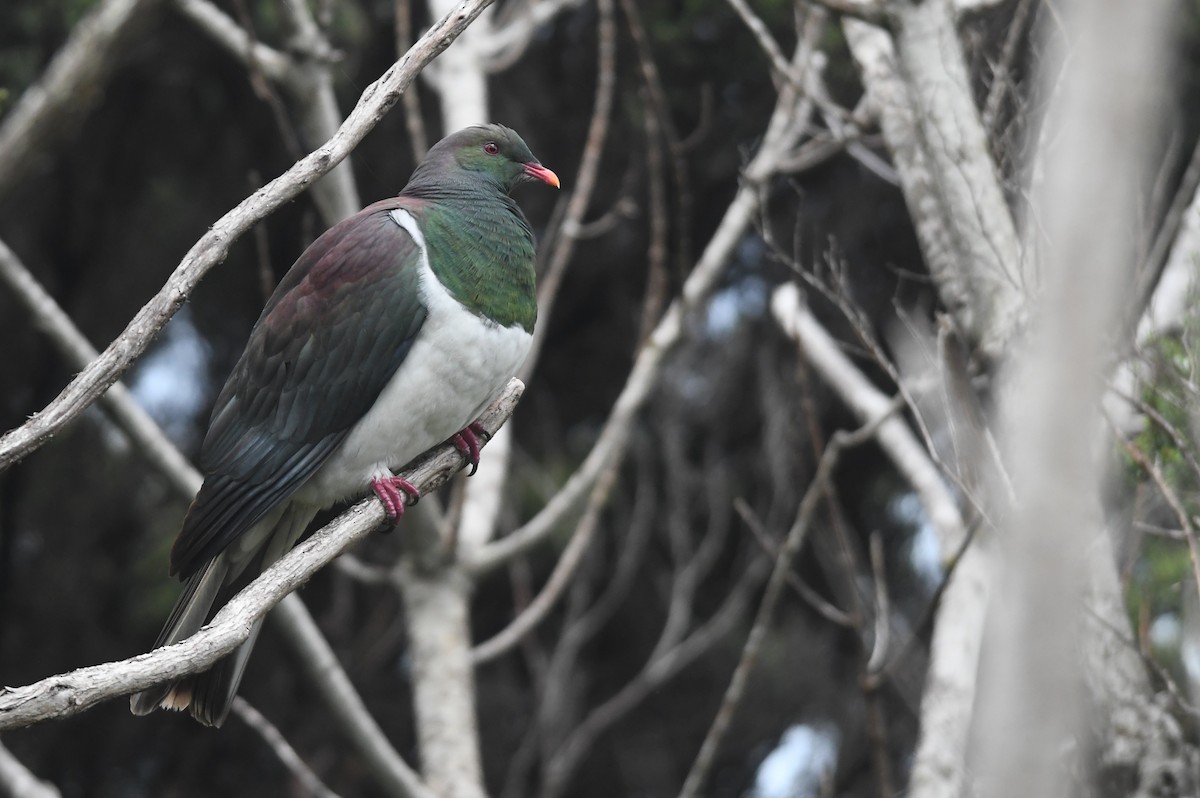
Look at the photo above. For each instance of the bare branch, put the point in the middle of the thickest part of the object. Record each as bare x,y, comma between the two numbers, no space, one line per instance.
291,615
1050,409
653,676
77,352
214,245
782,132
559,579
879,650
439,634
921,89
765,40
225,31
18,782
345,705
1002,74
508,43
74,82
413,119
585,180
783,563
895,437
869,11
71,693
282,749
801,588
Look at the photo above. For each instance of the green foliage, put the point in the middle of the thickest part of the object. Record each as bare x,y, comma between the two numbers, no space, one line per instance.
1167,442
1156,578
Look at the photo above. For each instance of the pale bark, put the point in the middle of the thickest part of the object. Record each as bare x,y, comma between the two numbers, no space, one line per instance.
439,634
460,75
282,749
975,259
343,702
18,782
212,248
305,72
782,132
73,83
71,693
897,440
939,766
1173,298
1032,701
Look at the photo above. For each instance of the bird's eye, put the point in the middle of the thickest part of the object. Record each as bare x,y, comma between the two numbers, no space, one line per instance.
491,148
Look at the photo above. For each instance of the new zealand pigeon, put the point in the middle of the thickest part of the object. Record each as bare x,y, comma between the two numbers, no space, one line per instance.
390,334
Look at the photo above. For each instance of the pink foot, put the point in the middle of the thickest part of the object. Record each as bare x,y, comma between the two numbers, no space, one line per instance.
467,442
393,492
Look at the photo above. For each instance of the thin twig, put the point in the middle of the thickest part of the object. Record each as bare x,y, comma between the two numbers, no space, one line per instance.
346,706
1001,75
879,650
559,579
676,146
49,317
70,693
652,677
282,749
563,245
927,616
70,86
1151,269
656,249
1168,494
801,588
214,245
18,782
779,138
794,541
414,120
149,439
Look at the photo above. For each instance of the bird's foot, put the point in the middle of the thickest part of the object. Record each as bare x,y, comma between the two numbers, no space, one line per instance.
467,442
393,492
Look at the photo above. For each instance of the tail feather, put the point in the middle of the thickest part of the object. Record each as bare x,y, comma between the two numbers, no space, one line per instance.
208,696
191,610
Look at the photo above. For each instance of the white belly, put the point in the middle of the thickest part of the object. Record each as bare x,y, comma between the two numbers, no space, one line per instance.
457,366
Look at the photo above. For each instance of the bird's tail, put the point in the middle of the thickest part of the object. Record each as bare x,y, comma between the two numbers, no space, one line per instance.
208,696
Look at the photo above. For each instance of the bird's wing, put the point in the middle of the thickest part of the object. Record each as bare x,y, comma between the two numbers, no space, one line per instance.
334,332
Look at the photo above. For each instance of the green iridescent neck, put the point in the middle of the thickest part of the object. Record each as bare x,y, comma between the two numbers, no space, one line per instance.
482,251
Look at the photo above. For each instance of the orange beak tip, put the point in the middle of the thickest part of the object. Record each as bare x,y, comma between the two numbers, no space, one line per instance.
536,170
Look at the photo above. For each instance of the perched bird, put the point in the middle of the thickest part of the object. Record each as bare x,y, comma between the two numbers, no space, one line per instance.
390,334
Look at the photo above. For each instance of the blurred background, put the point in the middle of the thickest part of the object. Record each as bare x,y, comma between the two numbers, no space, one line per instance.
722,453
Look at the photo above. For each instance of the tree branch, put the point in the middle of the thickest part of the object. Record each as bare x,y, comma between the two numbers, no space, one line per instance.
73,83
212,248
345,705
792,544
71,693
895,438
782,131
225,31
16,780
283,750
292,617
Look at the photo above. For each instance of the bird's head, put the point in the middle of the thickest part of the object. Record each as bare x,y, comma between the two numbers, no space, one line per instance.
494,152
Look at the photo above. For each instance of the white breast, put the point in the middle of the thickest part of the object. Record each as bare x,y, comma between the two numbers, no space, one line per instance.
459,363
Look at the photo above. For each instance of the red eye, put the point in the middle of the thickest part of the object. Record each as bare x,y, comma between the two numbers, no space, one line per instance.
491,148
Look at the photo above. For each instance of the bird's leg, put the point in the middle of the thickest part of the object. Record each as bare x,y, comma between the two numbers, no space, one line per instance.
467,442
392,492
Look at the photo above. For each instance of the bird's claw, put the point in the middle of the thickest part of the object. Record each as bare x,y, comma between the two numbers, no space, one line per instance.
467,443
392,493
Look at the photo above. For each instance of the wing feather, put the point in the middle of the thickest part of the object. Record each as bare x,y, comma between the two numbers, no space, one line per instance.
334,332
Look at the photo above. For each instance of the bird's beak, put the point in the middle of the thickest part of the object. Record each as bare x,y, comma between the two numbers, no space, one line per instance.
539,172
